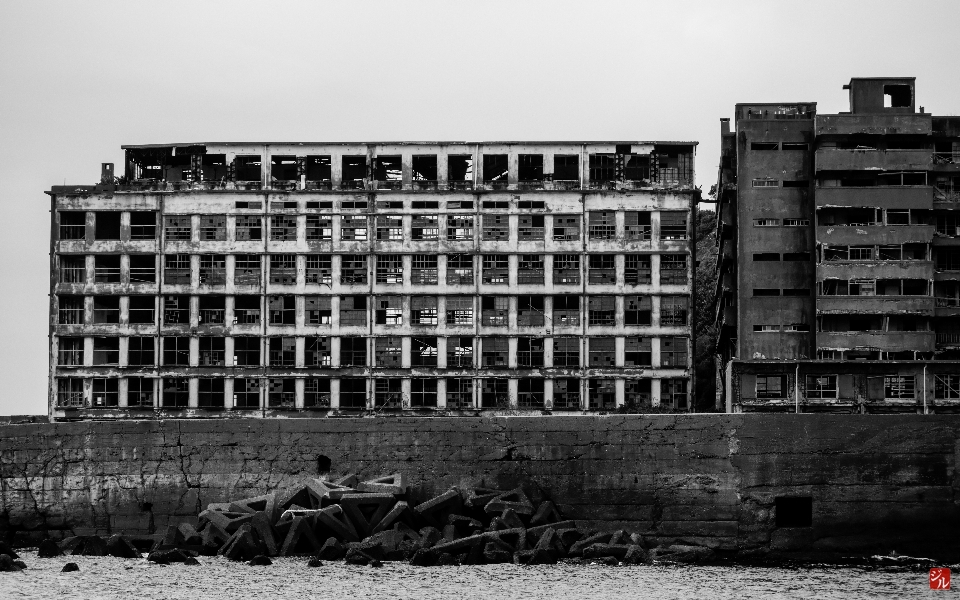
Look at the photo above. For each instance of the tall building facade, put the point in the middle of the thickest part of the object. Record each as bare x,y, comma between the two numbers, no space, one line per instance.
269,279
838,236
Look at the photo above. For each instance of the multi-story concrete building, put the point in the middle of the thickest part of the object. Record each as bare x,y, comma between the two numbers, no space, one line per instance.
839,255
236,278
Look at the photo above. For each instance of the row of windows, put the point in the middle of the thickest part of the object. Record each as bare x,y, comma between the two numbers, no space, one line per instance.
386,352
826,387
353,393
423,269
601,225
386,310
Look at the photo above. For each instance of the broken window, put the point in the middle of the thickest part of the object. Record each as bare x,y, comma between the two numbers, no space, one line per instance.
673,225
423,352
316,392
673,311
73,269
459,310
494,393
70,352
139,392
282,351
530,393
388,393
317,310
70,310
390,269
140,352
319,228
212,352
246,393
248,228
423,392
566,311
389,311
107,225
770,386
495,169
603,169
566,394
673,352
673,393
248,168
946,387
637,393
673,269
283,168
246,310
246,351
602,394
603,353
176,228
353,352
566,228
495,352
283,269
460,171
602,225
354,172
821,387
566,269
602,311
531,227
106,393
141,309
494,310
143,225
566,352
388,171
176,351
459,269
423,310
425,271
637,352
212,310
637,269
496,269
390,228
353,228
281,392
213,269
530,311
318,172
897,96
530,352
601,269
210,392
566,168
246,269
106,309
213,228
176,269
73,225
637,225
496,227
70,392
426,227
637,310
424,170
353,393
353,269
283,228
636,167
459,393
459,352
283,310
530,169
460,227
353,311
319,269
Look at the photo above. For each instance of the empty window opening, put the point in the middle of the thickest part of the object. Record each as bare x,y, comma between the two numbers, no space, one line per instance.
212,353
70,310
283,168
210,392
248,168
530,352
73,269
495,168
530,311
637,167
423,352
460,171
211,310
530,168
106,393
108,225
353,352
766,256
566,167
106,309
423,392
459,352
766,291
106,351
424,168
140,352
143,225
566,352
388,171
603,169
316,394
176,351
764,145
897,96
246,310
142,310
318,170
530,393
794,511
354,172
638,352
73,225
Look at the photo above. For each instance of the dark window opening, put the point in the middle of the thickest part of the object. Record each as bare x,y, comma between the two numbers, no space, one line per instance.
794,511
107,225
425,167
247,168
530,167
566,168
766,292
283,168
495,168
896,96
460,168
796,256
354,171
318,168
766,256
388,168
764,145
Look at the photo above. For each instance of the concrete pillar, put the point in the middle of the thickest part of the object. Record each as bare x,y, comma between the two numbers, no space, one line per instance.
335,392
620,388
299,383
655,392
441,388
123,387
228,393
194,387
512,385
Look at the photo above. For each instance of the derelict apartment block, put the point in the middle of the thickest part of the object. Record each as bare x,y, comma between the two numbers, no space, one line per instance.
839,255
263,279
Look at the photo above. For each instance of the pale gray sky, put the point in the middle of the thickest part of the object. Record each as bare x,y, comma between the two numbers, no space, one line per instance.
78,79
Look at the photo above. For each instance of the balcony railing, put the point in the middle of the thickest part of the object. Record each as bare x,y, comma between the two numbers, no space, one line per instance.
948,302
949,339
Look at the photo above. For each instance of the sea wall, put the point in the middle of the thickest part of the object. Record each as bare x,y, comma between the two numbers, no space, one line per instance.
876,482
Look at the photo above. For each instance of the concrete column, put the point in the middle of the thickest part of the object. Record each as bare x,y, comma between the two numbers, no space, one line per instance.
88,351
547,389
620,385
655,352
655,272
89,271
124,351
334,393
228,352
228,393
300,342
123,388
194,387
512,352
124,312
512,392
441,389
654,392
334,353
405,386
441,351
194,228
299,383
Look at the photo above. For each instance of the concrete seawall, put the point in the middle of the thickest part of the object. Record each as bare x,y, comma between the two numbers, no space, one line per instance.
876,483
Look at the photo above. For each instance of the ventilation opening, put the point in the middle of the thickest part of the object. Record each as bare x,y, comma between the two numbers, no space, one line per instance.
794,511
323,465
896,96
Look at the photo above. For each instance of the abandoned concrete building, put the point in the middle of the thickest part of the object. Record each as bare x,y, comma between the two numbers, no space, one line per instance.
838,282
271,279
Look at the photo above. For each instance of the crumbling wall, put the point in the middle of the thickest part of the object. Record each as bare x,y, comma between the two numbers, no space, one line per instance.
877,483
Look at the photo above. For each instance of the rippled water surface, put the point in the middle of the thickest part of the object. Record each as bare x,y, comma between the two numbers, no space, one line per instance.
291,578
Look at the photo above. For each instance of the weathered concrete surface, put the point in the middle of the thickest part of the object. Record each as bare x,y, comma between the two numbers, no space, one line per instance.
878,483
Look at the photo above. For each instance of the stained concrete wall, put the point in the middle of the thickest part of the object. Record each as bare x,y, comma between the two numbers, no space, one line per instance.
878,483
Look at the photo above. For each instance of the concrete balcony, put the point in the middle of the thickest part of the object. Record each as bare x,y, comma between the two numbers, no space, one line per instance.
873,124
915,305
882,195
903,269
835,159
867,235
887,341
948,340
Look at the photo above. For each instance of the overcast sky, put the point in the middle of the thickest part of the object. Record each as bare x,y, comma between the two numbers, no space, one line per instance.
78,79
